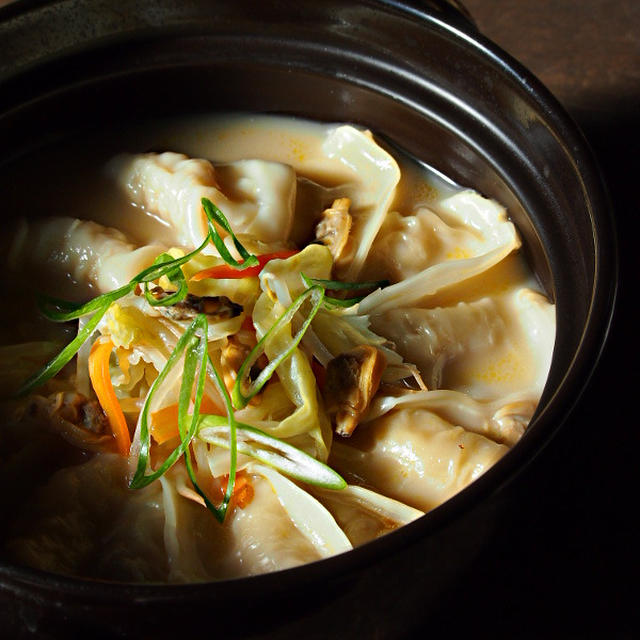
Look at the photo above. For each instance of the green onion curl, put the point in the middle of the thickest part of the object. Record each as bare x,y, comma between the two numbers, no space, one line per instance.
242,394
194,345
272,451
215,215
188,340
337,285
176,277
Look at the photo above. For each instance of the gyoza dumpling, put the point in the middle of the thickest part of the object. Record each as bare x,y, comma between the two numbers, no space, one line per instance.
77,258
488,348
471,236
256,196
281,526
415,457
85,521
503,420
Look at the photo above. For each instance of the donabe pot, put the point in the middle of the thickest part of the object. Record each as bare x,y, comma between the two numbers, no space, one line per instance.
422,77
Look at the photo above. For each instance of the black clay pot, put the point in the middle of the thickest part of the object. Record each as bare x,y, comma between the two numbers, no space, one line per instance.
417,73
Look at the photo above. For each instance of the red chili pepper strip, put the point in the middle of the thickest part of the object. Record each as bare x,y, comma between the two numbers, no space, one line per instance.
224,271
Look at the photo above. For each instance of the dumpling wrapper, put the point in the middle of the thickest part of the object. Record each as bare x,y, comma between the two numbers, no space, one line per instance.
415,457
489,348
503,420
78,258
85,521
256,196
489,237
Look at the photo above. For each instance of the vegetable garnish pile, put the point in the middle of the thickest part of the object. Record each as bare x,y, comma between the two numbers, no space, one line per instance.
195,366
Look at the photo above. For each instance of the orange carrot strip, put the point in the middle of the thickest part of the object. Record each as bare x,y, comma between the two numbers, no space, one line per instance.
242,490
102,385
164,422
209,406
224,271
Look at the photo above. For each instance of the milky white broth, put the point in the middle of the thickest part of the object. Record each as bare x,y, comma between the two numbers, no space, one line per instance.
464,329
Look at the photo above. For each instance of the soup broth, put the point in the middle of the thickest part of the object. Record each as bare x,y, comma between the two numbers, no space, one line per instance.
242,343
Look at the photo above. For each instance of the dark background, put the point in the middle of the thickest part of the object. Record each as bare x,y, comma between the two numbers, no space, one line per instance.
566,565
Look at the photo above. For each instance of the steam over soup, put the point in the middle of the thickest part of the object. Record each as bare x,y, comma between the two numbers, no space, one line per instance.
268,345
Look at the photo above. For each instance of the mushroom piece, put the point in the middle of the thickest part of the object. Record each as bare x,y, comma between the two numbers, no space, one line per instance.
216,307
333,230
352,380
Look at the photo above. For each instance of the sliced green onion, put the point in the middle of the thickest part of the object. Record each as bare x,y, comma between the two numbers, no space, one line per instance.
187,432
215,215
194,344
240,395
176,277
196,352
141,478
274,452
63,311
187,429
63,305
336,285
159,269
65,356
339,302
221,511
